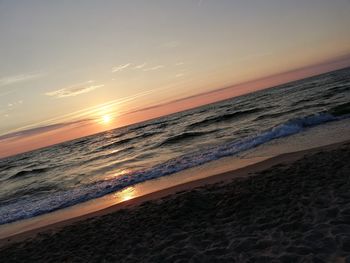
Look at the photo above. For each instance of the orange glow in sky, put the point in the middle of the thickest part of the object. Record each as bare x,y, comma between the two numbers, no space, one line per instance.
106,119
73,69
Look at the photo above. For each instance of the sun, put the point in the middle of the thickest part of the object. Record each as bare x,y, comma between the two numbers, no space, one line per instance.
106,119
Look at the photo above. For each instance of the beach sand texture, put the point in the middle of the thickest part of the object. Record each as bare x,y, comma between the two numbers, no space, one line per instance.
298,212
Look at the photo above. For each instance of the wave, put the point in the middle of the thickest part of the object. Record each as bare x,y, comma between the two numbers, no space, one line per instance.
341,110
159,124
275,115
118,152
24,209
126,141
301,101
183,136
81,141
39,190
335,91
112,166
278,114
6,167
29,172
225,117
114,144
340,88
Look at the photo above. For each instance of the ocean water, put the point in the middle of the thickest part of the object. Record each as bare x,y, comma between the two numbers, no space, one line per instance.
55,177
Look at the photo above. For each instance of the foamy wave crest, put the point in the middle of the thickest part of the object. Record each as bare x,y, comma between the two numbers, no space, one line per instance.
26,209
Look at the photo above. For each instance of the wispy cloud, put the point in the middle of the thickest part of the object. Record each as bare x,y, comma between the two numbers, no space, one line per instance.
140,66
8,108
87,113
19,78
41,129
120,67
90,113
74,90
15,103
179,75
154,68
180,63
83,116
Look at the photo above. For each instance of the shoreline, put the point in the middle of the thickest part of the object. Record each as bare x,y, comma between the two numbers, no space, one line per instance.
223,178
291,208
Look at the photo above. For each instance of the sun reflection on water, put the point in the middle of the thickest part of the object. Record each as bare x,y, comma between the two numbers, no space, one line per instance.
118,174
125,194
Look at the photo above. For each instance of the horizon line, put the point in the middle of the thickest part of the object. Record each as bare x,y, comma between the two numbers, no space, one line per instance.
39,129
340,59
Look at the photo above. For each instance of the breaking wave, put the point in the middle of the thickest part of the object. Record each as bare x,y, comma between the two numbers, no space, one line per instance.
58,200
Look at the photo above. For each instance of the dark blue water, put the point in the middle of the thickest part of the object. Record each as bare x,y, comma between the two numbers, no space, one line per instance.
72,172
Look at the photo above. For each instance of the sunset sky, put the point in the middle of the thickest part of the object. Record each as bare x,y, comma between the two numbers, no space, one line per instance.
72,68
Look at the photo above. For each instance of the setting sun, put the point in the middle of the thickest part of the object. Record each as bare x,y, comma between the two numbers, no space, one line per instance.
124,125
106,119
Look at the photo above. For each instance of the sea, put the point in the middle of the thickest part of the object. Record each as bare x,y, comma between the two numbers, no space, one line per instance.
56,177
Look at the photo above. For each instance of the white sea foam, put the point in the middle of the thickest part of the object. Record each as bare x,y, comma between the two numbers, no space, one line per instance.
26,209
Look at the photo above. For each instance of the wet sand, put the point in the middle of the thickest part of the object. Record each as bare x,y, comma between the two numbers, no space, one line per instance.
291,208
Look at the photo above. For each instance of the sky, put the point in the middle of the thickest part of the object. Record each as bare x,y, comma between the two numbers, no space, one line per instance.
73,68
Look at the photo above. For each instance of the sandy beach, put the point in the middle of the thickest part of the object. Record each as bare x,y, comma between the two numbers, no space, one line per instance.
294,211
175,131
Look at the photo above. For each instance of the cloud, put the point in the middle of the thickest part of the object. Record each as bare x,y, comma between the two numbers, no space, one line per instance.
154,68
74,90
14,103
10,106
140,66
41,129
179,75
120,67
87,114
19,78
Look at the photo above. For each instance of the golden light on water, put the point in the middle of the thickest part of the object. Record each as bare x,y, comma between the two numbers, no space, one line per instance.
126,194
118,174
